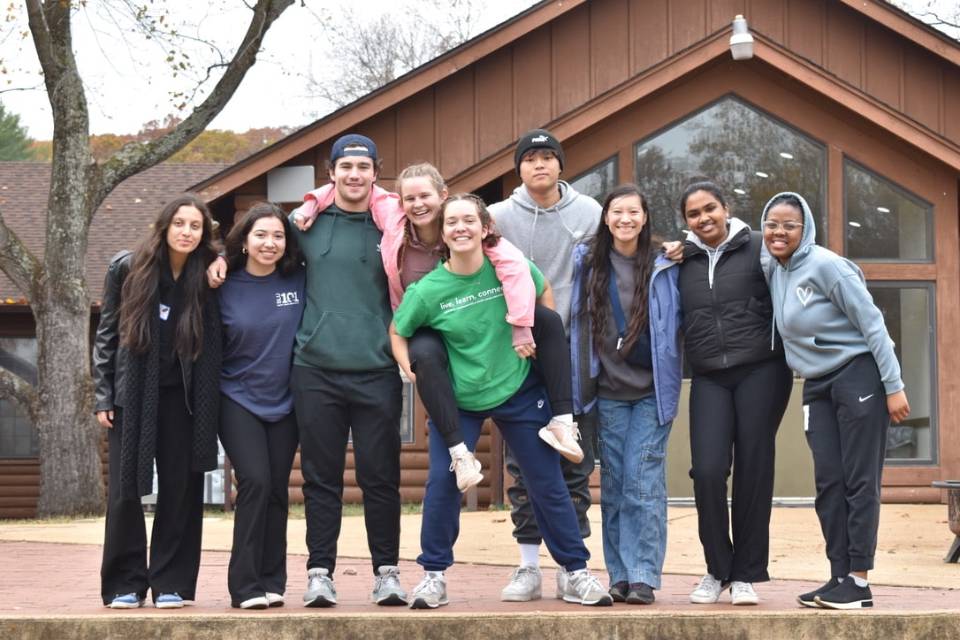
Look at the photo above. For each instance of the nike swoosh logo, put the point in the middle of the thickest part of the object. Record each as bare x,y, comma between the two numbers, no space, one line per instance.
865,398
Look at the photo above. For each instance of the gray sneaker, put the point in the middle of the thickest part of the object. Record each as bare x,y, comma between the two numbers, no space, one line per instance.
431,592
524,585
320,590
386,587
583,588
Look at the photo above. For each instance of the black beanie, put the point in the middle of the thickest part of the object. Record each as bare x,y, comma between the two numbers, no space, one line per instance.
537,139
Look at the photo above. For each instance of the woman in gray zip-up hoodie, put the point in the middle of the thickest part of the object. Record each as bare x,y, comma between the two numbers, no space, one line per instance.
834,336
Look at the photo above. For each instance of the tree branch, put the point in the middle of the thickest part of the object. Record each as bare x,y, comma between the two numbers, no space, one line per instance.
134,158
15,387
16,260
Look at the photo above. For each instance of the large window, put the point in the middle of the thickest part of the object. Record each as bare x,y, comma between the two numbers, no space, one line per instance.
884,221
908,311
18,438
749,154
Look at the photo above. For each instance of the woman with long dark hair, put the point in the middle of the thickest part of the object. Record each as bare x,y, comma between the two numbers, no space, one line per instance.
625,319
156,367
740,388
260,307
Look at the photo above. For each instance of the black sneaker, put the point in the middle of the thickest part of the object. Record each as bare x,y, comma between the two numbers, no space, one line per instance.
640,594
809,599
846,595
619,591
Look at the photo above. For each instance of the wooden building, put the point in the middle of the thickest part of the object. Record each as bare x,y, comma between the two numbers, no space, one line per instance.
853,103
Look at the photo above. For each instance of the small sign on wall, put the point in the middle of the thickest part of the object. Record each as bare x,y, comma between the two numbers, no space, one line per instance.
289,184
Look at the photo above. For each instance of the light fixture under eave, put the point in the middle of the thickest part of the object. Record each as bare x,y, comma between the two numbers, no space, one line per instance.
741,42
856,225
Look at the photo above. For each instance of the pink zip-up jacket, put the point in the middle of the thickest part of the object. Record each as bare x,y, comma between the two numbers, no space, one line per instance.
509,263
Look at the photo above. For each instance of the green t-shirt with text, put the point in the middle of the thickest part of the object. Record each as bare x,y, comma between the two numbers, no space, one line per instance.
469,312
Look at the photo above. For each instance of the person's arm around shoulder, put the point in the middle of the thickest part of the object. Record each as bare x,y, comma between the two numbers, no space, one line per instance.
851,296
513,271
107,339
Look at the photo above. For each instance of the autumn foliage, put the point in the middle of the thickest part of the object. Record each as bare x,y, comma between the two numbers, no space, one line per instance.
213,145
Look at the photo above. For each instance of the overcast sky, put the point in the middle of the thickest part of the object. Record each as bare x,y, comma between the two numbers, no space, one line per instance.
128,83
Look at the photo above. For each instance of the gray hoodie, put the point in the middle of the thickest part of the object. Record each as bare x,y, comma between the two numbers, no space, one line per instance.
825,313
547,236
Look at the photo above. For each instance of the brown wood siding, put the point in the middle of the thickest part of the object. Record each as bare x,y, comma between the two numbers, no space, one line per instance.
921,88
845,44
532,82
571,44
688,23
455,123
609,44
494,102
651,41
883,68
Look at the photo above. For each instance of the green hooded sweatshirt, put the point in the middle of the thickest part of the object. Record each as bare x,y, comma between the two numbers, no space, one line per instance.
345,319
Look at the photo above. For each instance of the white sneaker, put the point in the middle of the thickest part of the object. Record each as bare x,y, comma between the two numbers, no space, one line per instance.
742,593
275,599
467,468
257,602
387,591
583,588
431,592
320,589
563,437
708,591
524,585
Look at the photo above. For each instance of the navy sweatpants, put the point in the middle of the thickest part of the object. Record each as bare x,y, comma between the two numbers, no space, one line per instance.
519,419
846,428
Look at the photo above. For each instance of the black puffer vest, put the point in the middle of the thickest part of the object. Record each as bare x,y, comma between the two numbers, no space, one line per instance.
729,324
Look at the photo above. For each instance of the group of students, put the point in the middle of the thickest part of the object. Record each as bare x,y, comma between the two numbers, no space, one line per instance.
547,313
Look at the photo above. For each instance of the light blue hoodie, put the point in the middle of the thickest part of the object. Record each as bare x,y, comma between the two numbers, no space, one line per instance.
824,312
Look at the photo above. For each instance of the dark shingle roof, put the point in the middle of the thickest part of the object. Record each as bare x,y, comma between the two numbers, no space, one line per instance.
119,223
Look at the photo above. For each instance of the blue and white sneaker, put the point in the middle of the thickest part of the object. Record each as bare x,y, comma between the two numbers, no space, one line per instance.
126,601
169,601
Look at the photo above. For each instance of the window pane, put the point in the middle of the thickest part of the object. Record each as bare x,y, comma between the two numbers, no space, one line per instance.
747,153
884,222
18,438
908,313
597,181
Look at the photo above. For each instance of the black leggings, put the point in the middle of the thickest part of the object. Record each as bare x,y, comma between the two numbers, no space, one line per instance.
734,417
428,360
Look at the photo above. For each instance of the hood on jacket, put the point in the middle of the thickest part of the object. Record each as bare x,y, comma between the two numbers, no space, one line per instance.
809,237
522,197
734,227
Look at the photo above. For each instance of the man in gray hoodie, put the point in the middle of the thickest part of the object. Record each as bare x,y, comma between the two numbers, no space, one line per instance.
545,217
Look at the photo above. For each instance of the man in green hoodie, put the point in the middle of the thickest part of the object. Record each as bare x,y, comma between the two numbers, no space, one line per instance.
345,380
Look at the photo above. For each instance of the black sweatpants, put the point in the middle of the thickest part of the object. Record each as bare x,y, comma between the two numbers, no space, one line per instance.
178,520
734,417
428,360
846,422
330,406
261,453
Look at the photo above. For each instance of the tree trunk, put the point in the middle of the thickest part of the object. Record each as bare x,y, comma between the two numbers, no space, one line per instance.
69,436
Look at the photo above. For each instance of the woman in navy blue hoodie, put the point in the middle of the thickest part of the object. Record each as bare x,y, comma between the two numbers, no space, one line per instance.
260,307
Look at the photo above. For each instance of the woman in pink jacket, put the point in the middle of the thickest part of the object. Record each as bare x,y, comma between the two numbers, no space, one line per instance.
411,248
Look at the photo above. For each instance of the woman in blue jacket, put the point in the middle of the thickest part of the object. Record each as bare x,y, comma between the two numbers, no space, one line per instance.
625,316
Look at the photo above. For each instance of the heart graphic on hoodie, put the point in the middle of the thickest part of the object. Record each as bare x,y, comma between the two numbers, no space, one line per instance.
804,294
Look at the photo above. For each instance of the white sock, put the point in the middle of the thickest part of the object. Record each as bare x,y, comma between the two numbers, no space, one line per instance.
457,450
565,418
530,555
860,582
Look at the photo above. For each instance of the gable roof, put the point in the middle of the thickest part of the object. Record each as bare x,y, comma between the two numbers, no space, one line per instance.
118,224
505,34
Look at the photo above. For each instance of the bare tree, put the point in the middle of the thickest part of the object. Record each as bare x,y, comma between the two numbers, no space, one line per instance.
373,51
60,404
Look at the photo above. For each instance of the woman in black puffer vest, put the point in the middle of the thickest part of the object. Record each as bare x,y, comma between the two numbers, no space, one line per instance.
156,366
740,388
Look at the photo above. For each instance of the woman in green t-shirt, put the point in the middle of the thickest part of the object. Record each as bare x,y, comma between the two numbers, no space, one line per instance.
463,301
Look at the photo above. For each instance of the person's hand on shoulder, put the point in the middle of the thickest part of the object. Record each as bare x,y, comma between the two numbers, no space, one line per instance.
217,272
673,250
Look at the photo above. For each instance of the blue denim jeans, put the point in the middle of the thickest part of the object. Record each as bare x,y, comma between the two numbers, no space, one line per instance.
633,490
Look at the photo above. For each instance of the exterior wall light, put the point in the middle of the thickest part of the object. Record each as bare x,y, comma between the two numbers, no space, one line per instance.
741,42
